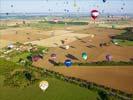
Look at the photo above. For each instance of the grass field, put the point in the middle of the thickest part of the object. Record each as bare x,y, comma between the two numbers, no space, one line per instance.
58,90
21,55
124,42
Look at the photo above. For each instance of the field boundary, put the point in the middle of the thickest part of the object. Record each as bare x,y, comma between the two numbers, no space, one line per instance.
89,85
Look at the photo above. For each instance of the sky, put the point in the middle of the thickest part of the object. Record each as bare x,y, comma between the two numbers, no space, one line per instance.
41,6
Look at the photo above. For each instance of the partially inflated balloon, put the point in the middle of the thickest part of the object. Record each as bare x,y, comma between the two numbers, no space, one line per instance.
94,14
84,56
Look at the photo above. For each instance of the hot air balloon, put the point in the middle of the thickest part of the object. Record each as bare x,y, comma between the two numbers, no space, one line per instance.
67,47
67,2
108,57
65,10
43,85
56,20
7,13
84,55
94,14
53,56
122,8
68,63
11,5
104,1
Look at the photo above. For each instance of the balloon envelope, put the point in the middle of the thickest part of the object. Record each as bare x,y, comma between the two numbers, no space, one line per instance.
108,57
11,5
84,56
68,63
67,47
55,20
104,1
43,85
94,14
53,56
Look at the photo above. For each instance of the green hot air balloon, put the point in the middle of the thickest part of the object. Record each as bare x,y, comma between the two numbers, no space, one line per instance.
84,55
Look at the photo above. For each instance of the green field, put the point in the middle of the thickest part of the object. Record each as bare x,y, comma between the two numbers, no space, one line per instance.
16,58
45,25
58,90
123,42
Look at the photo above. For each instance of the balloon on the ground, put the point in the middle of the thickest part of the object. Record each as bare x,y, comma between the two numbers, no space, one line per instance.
68,63
43,85
108,57
84,55
94,14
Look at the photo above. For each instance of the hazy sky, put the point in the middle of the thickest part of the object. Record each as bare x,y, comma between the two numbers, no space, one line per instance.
26,6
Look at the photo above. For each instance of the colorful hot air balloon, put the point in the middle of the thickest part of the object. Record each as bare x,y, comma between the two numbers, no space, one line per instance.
94,14
84,55
68,63
108,57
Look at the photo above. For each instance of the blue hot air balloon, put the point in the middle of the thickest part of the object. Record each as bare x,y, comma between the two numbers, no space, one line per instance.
68,63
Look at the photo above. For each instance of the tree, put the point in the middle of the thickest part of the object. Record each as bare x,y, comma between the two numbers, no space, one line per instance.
103,95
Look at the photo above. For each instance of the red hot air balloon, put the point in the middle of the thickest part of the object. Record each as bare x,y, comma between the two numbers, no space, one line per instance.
94,14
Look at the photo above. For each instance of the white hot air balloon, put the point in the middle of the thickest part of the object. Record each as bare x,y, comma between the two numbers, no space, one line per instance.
92,36
43,85
67,47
